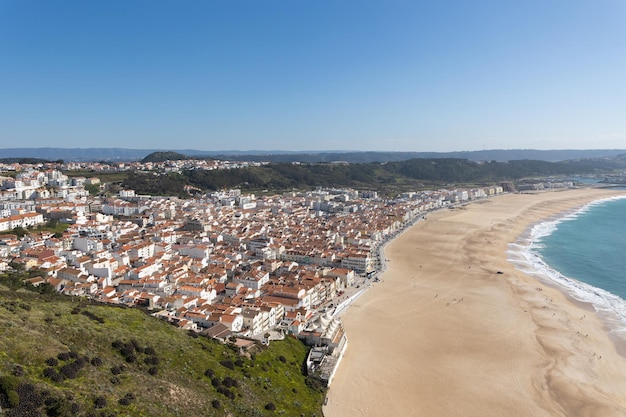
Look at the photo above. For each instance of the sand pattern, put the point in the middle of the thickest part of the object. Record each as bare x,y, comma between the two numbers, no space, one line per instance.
454,329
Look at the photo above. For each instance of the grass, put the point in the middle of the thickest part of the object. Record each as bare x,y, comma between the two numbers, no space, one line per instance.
35,328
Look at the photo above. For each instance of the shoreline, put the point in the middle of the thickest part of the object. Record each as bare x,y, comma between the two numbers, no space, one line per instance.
444,333
612,322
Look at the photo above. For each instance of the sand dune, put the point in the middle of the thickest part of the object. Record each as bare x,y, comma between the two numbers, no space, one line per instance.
444,334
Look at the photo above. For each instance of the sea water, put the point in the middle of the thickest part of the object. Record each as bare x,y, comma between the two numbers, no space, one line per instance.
584,254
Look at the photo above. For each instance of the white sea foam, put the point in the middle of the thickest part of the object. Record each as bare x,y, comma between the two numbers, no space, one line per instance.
524,255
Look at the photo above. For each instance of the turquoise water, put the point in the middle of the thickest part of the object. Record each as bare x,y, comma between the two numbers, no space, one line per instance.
584,254
591,246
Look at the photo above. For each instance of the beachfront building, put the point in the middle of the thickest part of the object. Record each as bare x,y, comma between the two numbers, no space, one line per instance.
328,338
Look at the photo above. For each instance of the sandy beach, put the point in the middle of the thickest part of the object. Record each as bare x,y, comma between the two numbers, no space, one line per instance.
444,334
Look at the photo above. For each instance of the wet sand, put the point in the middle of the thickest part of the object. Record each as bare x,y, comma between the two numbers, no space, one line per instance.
445,334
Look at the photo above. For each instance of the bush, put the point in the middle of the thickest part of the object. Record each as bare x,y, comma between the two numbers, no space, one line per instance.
209,373
127,350
64,356
100,402
57,377
52,362
127,399
153,371
151,360
230,382
136,345
149,351
282,359
270,406
69,370
227,363
216,404
226,392
96,361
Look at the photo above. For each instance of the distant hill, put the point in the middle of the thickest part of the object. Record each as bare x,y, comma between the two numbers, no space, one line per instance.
122,154
32,161
500,155
164,156
389,177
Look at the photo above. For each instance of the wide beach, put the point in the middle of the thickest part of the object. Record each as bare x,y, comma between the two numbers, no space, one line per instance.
454,329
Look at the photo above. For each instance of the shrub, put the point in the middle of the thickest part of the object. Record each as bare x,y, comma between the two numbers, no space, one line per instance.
127,350
227,363
70,370
127,399
149,351
82,361
131,358
96,361
136,345
153,371
151,360
64,356
216,404
282,359
52,362
100,402
29,397
230,382
239,362
226,392
116,370
57,377
48,372
270,406
209,373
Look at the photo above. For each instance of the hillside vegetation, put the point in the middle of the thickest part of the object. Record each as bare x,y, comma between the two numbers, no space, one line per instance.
63,356
388,177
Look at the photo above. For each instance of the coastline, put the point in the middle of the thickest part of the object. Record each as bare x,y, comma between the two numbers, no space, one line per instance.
607,306
453,328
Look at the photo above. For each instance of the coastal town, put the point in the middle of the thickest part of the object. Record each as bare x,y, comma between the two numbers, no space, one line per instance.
230,265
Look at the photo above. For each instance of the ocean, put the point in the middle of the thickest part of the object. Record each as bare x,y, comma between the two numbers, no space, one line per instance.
584,254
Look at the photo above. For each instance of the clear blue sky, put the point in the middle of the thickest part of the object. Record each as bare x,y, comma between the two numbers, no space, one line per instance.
313,75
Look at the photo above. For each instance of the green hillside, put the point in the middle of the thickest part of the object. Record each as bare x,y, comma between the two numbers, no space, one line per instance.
63,356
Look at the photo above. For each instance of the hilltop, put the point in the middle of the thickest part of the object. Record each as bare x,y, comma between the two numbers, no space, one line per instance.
163,156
